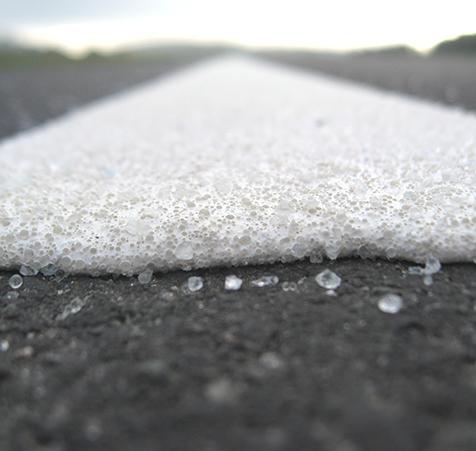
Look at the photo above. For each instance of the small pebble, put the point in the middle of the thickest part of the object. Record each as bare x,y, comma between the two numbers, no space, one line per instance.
233,283
328,279
415,270
167,295
316,258
25,352
60,275
4,345
432,265
75,306
27,271
265,281
289,286
195,283
49,270
145,277
16,281
390,303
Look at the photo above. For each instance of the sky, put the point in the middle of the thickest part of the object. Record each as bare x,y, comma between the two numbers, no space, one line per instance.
80,25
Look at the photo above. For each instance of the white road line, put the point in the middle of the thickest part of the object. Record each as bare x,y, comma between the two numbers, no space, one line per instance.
238,161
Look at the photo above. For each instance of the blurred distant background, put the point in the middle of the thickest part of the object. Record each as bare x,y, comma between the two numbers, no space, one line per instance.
56,55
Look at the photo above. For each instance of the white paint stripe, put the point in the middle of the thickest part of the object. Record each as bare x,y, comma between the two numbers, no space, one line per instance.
235,162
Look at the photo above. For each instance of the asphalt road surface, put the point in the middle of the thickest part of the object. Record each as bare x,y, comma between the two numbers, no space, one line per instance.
107,363
444,79
29,97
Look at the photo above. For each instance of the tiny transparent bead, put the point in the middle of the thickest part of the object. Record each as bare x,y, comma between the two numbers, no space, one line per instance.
49,270
233,283
265,281
145,277
72,308
195,283
4,345
390,303
328,279
16,281
432,265
27,271
289,286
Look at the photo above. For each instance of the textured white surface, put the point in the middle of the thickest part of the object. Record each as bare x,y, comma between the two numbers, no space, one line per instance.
237,162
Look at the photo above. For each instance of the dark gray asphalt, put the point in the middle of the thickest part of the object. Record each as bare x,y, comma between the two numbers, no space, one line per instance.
29,97
153,367
448,80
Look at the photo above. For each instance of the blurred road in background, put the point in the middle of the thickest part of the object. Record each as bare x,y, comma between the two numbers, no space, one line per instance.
446,79
30,96
34,94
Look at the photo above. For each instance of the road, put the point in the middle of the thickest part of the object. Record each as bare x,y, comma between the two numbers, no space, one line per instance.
443,79
143,367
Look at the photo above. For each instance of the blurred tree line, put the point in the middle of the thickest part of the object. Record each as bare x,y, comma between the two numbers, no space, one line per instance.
16,55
